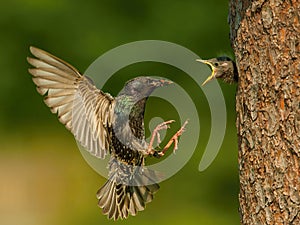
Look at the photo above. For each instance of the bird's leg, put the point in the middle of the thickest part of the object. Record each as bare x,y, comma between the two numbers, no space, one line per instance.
155,133
174,140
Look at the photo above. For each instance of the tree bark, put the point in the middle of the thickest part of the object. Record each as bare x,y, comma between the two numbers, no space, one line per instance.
265,36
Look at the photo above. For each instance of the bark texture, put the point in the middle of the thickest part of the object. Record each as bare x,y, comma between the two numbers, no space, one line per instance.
265,36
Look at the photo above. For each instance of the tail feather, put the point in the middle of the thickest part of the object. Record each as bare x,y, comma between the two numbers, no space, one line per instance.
120,200
138,199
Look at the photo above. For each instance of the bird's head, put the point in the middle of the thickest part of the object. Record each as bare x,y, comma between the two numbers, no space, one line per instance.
142,87
221,67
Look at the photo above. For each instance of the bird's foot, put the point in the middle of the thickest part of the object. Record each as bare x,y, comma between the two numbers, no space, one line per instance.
174,140
155,133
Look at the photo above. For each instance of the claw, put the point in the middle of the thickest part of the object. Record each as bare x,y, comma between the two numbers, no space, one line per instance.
174,140
155,133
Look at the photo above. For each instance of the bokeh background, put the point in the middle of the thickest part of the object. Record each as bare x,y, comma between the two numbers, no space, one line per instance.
43,177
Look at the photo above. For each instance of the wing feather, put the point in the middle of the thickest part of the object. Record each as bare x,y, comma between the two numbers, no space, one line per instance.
85,110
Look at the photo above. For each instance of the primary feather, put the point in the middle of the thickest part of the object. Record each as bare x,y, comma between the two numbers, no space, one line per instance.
85,110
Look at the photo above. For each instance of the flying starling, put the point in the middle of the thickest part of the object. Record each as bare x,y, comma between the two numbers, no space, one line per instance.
222,67
103,125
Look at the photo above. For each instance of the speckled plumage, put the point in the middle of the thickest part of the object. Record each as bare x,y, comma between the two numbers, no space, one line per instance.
103,125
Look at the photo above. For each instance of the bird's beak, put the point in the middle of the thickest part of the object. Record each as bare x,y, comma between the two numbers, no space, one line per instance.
212,70
161,82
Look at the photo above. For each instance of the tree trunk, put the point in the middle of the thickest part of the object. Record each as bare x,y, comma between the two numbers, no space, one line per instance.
265,36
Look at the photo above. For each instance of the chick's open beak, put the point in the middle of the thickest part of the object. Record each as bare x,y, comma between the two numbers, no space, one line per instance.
212,70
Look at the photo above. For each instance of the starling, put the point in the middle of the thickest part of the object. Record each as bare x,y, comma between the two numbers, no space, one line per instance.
222,67
103,125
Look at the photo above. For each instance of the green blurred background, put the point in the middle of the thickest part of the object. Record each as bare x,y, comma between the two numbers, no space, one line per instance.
44,179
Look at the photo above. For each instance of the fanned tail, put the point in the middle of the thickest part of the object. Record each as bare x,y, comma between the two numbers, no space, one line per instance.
120,201
125,194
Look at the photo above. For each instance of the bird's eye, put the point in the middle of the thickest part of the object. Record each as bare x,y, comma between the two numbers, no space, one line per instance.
216,64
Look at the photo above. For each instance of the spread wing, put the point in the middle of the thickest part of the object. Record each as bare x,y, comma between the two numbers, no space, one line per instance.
84,110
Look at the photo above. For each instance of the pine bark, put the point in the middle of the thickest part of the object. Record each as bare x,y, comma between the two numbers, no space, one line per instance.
265,36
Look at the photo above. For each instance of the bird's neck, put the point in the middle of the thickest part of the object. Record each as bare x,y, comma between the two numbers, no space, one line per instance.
231,75
129,116
125,104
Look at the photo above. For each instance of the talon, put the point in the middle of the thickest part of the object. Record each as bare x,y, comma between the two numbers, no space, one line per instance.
175,139
155,133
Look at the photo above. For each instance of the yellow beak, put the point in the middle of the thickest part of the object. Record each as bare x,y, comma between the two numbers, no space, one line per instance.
212,68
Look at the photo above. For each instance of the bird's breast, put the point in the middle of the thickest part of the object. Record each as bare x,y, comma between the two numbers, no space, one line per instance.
125,151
